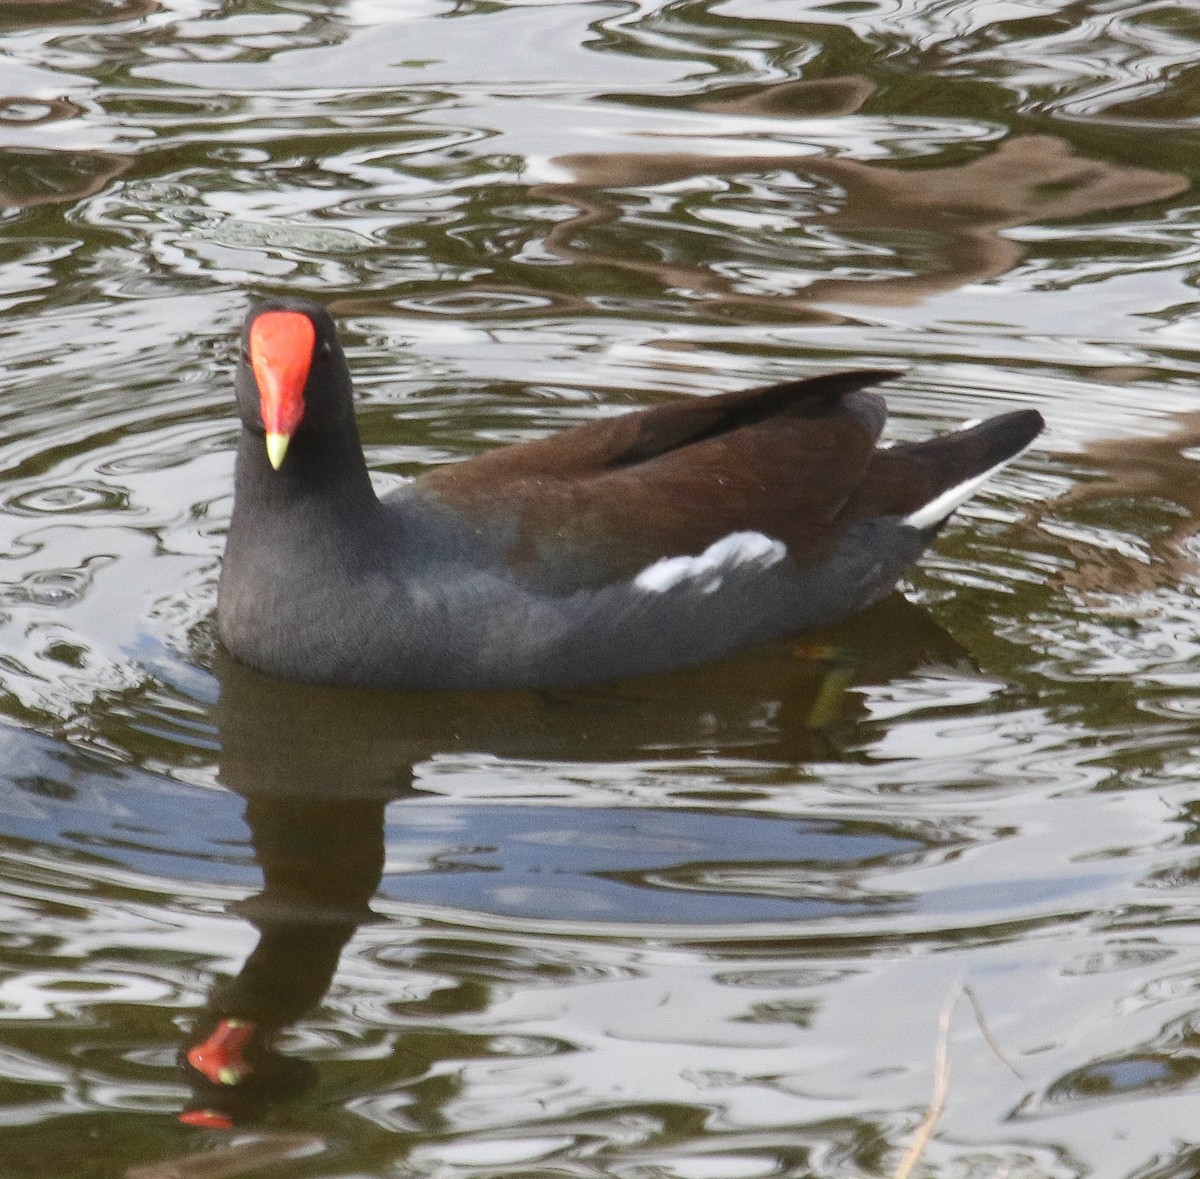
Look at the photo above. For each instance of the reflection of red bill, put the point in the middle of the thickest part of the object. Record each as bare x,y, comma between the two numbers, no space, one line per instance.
206,1119
219,1058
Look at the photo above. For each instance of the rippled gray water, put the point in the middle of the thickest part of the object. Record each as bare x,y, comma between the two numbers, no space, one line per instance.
666,929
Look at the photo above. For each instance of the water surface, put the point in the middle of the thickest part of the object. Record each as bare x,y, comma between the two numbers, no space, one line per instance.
686,927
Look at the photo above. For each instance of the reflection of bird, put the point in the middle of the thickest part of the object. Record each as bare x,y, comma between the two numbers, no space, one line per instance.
236,1074
319,766
637,544
321,864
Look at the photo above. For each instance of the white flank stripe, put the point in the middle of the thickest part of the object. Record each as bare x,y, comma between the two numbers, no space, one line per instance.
707,569
936,510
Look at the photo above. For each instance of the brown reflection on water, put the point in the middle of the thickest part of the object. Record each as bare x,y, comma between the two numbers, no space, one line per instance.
27,14
930,227
32,176
1120,482
815,98
960,210
19,110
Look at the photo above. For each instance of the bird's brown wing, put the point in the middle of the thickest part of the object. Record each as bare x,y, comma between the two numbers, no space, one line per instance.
605,499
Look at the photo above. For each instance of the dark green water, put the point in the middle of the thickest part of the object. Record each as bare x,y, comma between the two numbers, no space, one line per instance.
664,930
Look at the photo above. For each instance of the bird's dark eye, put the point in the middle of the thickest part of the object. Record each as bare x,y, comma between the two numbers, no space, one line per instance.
325,349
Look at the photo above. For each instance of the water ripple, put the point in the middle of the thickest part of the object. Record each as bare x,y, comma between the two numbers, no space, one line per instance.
665,928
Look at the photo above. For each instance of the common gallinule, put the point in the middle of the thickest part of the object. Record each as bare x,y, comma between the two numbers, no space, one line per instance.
634,544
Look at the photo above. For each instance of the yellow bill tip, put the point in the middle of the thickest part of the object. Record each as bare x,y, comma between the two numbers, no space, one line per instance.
277,445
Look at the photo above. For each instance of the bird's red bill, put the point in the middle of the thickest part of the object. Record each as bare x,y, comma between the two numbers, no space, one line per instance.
281,351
